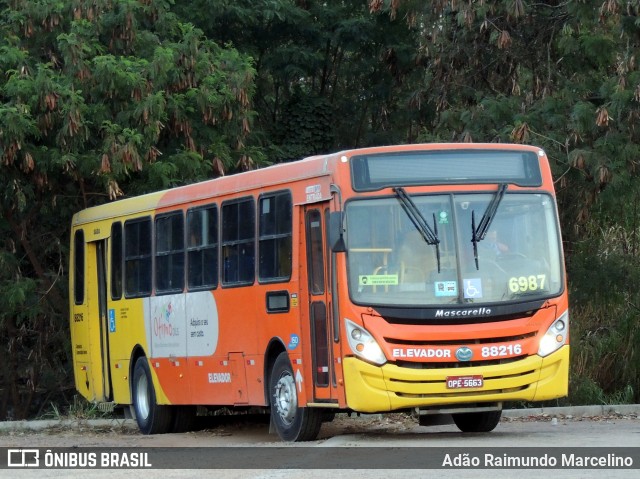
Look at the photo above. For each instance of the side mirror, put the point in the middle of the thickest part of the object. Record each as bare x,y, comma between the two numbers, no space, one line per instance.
336,232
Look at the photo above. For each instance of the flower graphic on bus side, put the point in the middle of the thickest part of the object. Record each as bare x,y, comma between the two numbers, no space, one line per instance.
162,326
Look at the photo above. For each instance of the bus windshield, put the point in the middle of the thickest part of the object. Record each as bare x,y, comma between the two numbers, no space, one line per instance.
392,263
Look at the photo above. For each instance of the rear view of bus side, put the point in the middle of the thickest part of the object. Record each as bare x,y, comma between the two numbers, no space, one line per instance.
421,278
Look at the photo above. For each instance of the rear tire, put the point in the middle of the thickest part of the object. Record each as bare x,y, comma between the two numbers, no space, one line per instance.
185,418
151,418
292,423
485,421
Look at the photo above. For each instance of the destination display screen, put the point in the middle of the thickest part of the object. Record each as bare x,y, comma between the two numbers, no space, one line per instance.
374,172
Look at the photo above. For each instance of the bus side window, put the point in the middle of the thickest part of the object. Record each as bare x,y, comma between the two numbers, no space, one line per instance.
137,257
78,272
170,253
238,241
202,247
247,262
315,258
274,241
116,261
230,266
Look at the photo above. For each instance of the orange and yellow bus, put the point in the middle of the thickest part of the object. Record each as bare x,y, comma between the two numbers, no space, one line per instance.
426,278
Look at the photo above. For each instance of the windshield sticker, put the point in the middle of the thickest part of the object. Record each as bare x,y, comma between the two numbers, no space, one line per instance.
443,218
378,280
446,288
473,288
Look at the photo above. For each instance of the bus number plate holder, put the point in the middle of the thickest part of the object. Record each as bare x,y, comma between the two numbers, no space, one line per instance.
464,382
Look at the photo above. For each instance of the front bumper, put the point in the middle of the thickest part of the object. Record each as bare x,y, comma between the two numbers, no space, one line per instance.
390,387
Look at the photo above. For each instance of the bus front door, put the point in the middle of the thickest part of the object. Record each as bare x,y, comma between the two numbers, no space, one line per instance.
319,310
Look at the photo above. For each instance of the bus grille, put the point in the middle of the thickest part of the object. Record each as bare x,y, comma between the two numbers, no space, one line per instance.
504,339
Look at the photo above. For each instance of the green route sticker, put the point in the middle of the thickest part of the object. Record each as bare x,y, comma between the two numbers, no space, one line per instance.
378,279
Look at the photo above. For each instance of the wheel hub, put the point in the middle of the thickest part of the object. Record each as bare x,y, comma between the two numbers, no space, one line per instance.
286,399
142,397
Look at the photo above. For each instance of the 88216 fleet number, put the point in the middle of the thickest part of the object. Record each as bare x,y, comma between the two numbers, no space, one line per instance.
503,350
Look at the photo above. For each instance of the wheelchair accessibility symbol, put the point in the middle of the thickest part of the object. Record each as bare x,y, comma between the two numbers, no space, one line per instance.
473,288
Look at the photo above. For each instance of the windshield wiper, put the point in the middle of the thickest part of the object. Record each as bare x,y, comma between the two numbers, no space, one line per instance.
478,234
430,235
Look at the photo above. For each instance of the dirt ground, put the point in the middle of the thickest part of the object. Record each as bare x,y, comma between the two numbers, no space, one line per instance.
246,430
216,431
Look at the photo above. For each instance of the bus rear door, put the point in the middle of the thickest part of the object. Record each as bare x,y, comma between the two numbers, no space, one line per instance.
99,316
90,321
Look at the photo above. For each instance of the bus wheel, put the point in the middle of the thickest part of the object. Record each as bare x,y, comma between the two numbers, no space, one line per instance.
485,421
151,418
184,418
292,423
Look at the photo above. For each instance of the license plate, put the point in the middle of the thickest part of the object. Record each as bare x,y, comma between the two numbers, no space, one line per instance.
464,382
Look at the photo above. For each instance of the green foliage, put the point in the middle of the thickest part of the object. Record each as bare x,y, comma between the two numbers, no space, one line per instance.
314,60
305,128
15,301
605,304
78,409
585,391
98,99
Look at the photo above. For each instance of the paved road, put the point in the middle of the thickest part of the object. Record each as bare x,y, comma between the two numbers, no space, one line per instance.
555,430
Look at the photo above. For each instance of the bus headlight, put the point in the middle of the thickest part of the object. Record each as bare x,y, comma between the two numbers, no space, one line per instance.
363,345
556,336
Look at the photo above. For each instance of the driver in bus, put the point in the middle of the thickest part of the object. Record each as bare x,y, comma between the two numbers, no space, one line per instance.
493,244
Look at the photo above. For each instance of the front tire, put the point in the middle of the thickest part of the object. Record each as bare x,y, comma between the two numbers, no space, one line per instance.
485,421
292,423
151,418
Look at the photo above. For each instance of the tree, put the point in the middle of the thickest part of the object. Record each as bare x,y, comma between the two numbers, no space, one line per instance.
329,74
100,99
564,76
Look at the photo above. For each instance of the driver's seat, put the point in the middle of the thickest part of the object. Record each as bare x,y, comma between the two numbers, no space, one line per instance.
416,258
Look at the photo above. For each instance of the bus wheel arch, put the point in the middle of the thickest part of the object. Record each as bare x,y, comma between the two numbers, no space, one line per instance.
136,353
274,349
291,422
151,417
